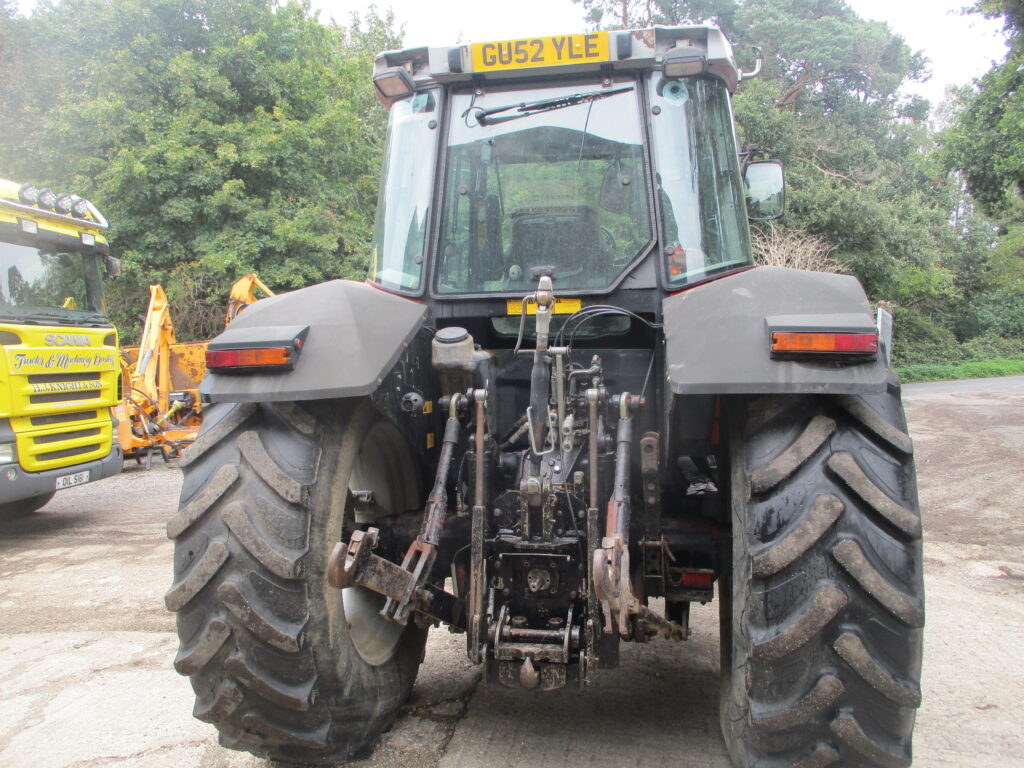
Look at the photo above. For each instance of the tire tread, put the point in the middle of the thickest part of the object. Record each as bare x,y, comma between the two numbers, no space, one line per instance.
817,431
851,557
802,628
201,572
823,622
280,561
198,505
848,731
261,682
210,639
793,545
850,472
274,631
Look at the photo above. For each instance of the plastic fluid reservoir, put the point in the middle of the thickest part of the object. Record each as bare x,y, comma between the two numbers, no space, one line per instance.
452,358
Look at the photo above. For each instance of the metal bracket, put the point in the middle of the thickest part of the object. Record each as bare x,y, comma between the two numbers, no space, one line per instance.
650,473
355,565
615,591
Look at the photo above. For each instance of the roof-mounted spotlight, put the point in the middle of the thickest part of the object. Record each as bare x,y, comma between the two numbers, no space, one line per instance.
28,194
65,203
685,60
393,84
47,199
80,208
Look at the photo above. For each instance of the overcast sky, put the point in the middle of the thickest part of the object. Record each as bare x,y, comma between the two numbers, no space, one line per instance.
959,47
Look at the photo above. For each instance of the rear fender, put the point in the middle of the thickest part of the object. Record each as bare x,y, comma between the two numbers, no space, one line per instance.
717,339
356,335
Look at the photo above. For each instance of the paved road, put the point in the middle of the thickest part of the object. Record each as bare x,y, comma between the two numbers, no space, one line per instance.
965,386
86,646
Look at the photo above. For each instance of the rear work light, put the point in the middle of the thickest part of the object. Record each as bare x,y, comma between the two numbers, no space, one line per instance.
824,343
256,349
279,358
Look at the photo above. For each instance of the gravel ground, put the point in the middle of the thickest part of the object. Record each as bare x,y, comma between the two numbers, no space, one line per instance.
86,645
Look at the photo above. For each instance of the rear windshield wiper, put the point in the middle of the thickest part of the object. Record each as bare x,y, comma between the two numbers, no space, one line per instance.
525,109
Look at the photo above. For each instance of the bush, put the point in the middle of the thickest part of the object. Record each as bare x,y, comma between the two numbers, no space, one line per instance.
918,340
991,346
973,370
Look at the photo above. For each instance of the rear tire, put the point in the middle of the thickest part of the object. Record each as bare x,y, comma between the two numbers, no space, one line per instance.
822,630
266,642
24,507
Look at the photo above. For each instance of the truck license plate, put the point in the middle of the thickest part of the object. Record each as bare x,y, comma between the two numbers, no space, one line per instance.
541,52
67,481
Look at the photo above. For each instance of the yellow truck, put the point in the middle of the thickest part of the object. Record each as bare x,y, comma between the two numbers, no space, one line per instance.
59,362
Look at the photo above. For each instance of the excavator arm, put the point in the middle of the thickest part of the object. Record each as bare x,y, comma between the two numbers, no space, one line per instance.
243,293
159,367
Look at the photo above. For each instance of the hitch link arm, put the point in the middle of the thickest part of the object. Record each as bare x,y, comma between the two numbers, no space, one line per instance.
405,586
611,568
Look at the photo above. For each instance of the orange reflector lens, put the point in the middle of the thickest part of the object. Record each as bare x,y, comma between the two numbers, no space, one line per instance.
248,358
835,343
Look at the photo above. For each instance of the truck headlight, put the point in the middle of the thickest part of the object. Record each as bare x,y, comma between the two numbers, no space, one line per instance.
7,453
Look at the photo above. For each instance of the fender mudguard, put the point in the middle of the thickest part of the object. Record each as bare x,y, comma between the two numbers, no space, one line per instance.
717,335
356,334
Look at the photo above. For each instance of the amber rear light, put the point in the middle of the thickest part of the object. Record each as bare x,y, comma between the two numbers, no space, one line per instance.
256,357
816,342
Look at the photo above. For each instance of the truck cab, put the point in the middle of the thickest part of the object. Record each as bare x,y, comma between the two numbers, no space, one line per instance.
59,366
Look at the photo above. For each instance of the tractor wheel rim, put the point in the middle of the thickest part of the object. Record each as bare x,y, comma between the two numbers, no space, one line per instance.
374,637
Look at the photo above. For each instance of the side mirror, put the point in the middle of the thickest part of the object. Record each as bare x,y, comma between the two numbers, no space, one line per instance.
112,265
766,190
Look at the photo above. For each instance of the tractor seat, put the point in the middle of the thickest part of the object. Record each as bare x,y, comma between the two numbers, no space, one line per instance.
566,236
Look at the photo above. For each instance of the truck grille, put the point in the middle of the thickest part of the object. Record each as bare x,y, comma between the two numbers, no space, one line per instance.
67,452
61,446
58,378
75,386
62,418
56,438
65,397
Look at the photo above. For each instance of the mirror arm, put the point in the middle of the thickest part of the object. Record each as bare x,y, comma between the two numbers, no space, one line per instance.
757,65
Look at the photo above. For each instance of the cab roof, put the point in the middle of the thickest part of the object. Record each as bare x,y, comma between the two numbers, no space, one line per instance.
601,52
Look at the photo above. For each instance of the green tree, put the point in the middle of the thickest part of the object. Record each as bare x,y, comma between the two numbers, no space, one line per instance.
863,173
636,14
984,146
1011,11
219,136
986,143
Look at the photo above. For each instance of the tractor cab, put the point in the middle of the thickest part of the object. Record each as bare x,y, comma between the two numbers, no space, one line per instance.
607,159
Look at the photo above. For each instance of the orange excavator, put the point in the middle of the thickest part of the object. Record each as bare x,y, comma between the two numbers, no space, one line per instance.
243,293
160,411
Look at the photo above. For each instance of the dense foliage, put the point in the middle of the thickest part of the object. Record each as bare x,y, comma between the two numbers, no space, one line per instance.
226,136
985,145
218,136
865,172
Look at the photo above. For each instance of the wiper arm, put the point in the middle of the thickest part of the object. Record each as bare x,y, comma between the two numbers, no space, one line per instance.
525,109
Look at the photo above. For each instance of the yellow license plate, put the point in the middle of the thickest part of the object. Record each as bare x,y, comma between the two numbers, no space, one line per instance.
541,52
561,307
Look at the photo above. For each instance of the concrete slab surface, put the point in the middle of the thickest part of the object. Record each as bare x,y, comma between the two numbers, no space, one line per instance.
86,645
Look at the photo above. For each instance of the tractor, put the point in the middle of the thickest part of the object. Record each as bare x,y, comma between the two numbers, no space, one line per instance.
563,406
